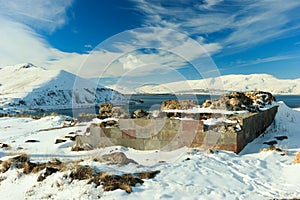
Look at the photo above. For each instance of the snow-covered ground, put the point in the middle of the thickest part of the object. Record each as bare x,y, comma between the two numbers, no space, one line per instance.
184,174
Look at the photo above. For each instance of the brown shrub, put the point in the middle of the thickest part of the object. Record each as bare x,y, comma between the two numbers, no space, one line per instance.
5,165
82,173
30,167
147,175
297,158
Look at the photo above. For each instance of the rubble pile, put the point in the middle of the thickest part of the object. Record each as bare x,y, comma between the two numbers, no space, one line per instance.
237,101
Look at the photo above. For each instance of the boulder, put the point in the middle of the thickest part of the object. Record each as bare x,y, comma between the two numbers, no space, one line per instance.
109,124
207,103
236,101
105,110
117,158
139,113
260,97
170,105
120,113
187,104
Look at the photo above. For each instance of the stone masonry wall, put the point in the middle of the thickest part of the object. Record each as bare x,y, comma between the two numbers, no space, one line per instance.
170,134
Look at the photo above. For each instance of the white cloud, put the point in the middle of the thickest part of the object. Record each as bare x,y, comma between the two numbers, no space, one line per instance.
266,60
236,23
20,44
115,57
19,40
147,50
89,46
45,15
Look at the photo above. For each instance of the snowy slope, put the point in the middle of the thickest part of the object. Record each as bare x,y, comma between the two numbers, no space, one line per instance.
28,86
250,82
184,174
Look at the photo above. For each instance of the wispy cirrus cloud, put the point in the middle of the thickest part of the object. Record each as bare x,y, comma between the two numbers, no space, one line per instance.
265,60
20,41
46,15
22,20
236,23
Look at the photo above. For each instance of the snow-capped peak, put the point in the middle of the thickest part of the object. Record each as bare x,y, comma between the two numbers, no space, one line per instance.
26,85
227,83
23,66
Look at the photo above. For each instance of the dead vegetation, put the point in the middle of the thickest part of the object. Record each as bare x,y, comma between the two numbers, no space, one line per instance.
271,148
108,181
297,158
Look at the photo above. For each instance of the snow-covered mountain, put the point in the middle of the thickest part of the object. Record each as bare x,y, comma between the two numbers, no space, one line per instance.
251,82
27,86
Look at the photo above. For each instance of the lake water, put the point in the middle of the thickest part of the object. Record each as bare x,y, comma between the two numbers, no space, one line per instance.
153,102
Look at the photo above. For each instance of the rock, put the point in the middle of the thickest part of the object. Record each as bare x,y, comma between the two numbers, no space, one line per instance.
120,113
261,97
4,145
139,113
237,101
187,104
71,137
271,143
109,123
105,110
284,137
171,105
117,158
207,103
32,141
57,141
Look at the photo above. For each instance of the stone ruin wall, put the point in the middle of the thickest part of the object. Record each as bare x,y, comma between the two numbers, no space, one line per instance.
170,134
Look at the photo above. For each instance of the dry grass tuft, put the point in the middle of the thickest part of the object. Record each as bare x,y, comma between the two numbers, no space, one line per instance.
82,173
147,175
5,165
271,148
30,167
297,158
78,172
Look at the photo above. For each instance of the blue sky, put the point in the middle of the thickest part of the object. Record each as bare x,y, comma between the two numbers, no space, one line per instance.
153,40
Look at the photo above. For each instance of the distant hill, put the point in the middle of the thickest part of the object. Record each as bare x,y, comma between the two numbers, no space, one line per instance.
28,86
227,83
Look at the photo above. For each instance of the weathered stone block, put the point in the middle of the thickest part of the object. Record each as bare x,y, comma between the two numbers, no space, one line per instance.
191,125
151,144
126,123
115,133
169,145
138,144
144,132
169,135
129,134
186,137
